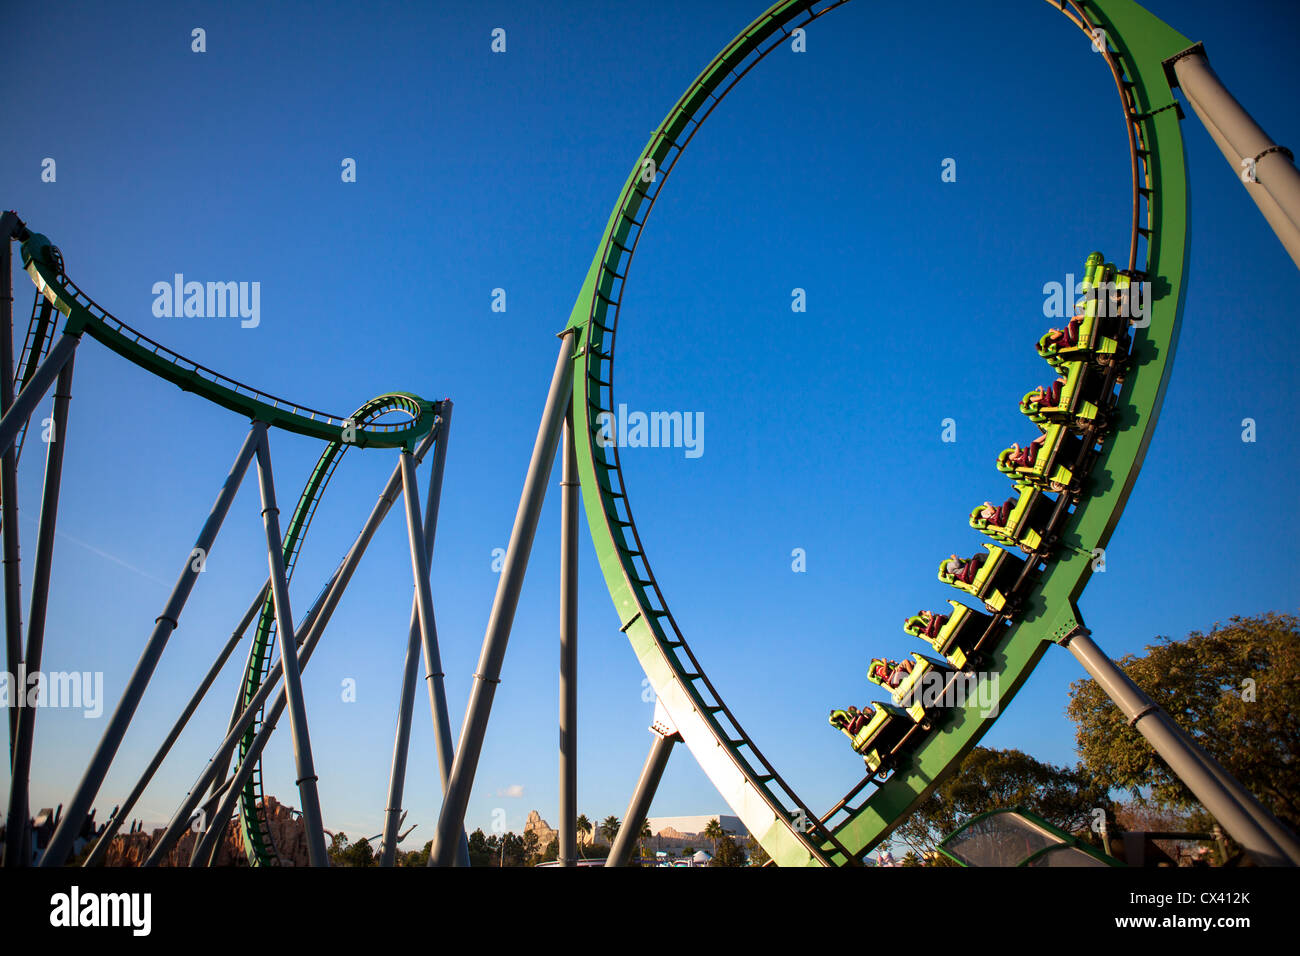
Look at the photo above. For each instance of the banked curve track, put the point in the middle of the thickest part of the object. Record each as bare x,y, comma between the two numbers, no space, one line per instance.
371,425
788,830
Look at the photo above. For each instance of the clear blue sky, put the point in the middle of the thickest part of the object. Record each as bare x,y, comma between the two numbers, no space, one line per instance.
478,171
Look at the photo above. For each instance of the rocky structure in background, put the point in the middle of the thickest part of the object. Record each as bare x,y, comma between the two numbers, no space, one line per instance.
287,830
545,832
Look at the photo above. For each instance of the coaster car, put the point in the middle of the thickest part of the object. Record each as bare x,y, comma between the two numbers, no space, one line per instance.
1074,398
875,735
952,635
1051,461
991,578
1023,523
909,694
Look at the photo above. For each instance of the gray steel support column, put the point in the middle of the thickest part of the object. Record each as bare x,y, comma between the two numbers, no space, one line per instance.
25,402
1247,800
1239,137
289,659
569,484
451,821
423,634
661,747
17,853
61,842
1184,758
8,473
124,810
219,781
218,762
401,741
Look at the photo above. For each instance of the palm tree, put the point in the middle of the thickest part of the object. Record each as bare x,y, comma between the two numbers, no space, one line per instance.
644,835
714,832
609,828
583,827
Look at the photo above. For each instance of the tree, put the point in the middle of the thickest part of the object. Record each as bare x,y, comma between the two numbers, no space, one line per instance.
529,849
338,844
757,855
1235,691
482,852
713,832
990,779
609,828
726,853
910,859
583,827
552,851
644,835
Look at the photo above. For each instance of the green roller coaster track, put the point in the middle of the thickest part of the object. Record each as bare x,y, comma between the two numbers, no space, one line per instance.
1137,44
366,427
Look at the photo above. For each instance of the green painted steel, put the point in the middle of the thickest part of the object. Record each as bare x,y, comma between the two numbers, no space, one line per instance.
84,315
364,428
769,808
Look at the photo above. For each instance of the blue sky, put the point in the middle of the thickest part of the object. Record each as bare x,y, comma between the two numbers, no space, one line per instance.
478,171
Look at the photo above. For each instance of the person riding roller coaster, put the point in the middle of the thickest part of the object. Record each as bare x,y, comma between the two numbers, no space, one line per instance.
1045,397
1068,337
925,624
890,673
1024,457
852,721
963,572
996,515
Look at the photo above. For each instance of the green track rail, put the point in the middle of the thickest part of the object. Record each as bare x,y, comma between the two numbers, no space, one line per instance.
44,266
773,813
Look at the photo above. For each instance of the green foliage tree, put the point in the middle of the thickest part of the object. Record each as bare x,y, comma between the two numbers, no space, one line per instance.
990,779
757,855
338,844
480,852
1235,691
910,859
609,828
529,849
584,830
552,851
713,832
727,853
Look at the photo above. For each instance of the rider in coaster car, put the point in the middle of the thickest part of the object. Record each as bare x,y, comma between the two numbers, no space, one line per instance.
1067,337
851,721
925,624
1045,397
890,673
1025,457
963,572
996,515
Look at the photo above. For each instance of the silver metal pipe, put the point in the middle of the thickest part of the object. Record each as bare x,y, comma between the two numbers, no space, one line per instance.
661,747
124,810
64,834
17,850
220,758
1241,139
25,402
9,474
306,768
569,484
1181,756
451,820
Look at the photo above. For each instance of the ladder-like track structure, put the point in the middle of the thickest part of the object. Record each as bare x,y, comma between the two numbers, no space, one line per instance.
1134,45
